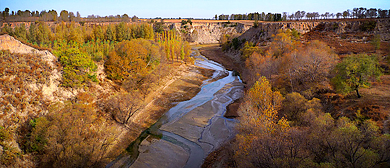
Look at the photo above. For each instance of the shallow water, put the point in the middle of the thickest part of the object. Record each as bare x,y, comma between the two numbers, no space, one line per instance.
192,129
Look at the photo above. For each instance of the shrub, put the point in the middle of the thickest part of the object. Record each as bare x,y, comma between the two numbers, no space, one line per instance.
376,41
78,68
368,26
355,72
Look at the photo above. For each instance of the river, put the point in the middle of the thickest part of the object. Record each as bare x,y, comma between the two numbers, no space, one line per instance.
188,132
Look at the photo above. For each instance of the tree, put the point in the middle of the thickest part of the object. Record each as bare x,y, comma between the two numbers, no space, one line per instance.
309,66
6,12
134,19
131,60
260,130
110,34
122,32
123,106
64,15
284,17
346,14
376,41
189,21
303,13
282,43
294,106
71,16
72,135
355,72
21,32
383,13
78,17
338,15
262,97
297,15
78,69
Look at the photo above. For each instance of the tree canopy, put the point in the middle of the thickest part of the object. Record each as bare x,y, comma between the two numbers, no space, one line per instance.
356,71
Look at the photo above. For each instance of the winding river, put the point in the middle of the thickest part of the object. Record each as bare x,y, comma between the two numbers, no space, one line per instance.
188,132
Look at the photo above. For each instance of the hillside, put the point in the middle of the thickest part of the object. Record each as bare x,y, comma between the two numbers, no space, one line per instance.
108,82
31,87
344,38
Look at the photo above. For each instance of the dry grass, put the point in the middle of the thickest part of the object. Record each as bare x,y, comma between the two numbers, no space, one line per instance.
374,103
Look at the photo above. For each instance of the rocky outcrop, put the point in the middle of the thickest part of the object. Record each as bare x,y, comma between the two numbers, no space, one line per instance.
383,29
207,33
265,30
14,46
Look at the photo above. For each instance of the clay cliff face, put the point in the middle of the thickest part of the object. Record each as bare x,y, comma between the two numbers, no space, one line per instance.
207,33
370,27
14,46
203,33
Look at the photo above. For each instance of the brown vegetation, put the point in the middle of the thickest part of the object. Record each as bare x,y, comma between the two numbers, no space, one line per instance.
314,138
97,124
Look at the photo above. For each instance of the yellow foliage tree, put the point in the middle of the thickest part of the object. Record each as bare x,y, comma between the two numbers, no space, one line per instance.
74,135
259,122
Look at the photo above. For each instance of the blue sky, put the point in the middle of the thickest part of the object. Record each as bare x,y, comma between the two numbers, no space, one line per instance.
189,8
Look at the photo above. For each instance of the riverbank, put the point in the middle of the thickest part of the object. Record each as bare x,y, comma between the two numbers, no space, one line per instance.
214,52
223,156
192,129
183,84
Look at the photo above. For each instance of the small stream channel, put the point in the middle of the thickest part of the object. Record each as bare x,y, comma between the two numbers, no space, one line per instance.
188,132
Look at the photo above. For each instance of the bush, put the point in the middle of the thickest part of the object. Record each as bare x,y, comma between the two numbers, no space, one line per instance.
376,41
256,24
78,68
8,154
73,135
356,71
368,26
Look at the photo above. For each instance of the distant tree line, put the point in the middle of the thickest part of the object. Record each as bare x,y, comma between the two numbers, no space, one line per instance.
358,13
64,15
252,16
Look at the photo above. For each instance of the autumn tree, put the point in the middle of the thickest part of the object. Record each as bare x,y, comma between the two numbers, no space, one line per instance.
21,32
131,60
71,135
261,65
98,32
39,33
64,15
346,143
122,107
9,155
356,71
110,33
248,49
260,128
299,110
122,32
376,42
78,67
282,43
308,66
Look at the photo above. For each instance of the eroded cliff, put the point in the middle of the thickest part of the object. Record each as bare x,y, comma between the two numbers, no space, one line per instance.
211,32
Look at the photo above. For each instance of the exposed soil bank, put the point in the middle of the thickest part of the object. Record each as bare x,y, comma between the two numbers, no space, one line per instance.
214,52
